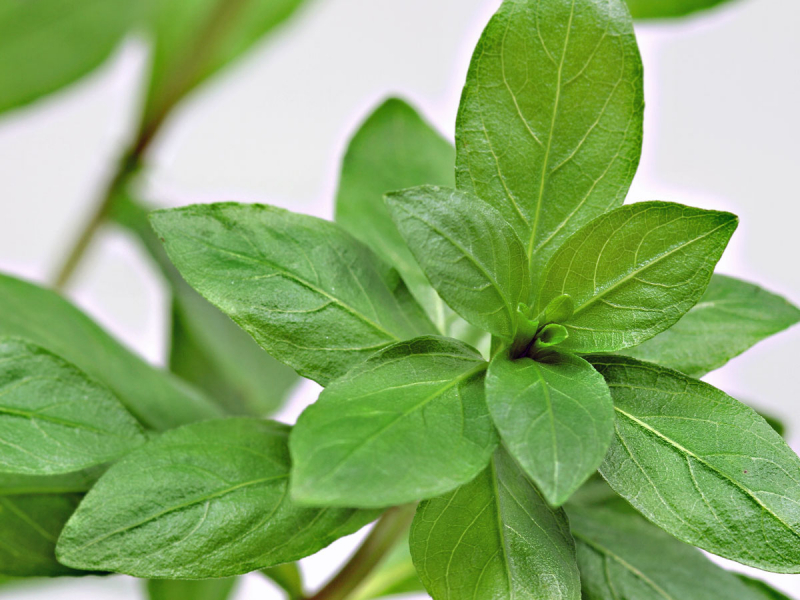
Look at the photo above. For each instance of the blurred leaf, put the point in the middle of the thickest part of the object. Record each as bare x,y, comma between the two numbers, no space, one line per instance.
761,589
208,589
288,577
666,9
48,44
12,484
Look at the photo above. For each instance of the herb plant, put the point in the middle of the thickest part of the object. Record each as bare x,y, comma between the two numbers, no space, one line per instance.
509,359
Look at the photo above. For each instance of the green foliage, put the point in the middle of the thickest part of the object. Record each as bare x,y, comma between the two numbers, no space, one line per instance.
666,9
209,589
205,500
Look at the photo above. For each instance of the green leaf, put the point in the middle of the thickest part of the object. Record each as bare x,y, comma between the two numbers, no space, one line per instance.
209,589
549,129
29,528
731,317
207,348
703,466
156,398
494,537
760,590
666,9
287,576
309,293
12,484
622,556
556,419
469,253
48,44
395,575
635,271
205,500
408,423
53,418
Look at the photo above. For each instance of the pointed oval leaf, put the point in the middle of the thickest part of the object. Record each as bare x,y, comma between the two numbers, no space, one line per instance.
703,466
469,253
549,129
556,419
409,423
732,316
621,555
54,418
494,537
205,500
309,293
634,272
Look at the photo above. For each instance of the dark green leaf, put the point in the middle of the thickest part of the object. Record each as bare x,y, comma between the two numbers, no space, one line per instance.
623,556
29,528
48,44
53,418
555,418
665,9
703,466
205,500
731,317
209,589
308,292
549,129
635,271
12,484
469,253
760,590
408,423
156,398
496,538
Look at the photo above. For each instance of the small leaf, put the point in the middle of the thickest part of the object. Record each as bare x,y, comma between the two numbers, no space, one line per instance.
549,129
760,590
209,589
409,423
555,419
205,500
703,466
559,309
551,335
308,293
469,253
731,317
53,418
667,9
634,272
158,399
494,537
287,576
623,556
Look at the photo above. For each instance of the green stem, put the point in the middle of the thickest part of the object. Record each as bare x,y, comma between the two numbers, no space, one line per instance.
389,528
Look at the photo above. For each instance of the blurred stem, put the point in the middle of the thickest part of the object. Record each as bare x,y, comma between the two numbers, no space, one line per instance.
387,531
287,576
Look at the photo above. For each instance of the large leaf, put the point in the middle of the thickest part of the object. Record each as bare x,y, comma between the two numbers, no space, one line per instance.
549,129
665,9
703,466
29,528
635,271
208,589
555,418
53,418
731,317
494,538
308,292
156,398
408,423
205,500
47,44
469,253
623,556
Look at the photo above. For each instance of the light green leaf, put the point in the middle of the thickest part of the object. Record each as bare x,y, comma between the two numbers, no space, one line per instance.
703,466
666,9
623,556
635,271
287,576
408,423
205,500
549,129
556,419
760,590
48,44
731,317
494,538
29,528
158,399
469,253
12,484
53,418
208,589
395,575
308,292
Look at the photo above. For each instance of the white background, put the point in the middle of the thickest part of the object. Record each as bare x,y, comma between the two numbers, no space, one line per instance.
721,131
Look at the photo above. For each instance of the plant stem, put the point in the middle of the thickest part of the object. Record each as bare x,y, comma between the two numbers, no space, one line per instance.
389,528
